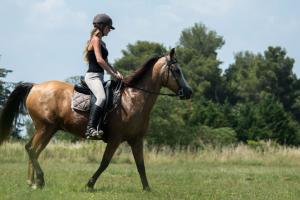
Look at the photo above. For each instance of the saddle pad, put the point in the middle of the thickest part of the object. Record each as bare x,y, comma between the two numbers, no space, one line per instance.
80,101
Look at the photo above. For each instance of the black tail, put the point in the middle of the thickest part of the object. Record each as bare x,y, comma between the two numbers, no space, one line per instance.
12,108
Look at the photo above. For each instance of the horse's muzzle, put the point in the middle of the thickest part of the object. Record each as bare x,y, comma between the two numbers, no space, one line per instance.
185,93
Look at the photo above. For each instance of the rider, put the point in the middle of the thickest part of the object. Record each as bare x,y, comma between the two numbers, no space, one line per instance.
96,55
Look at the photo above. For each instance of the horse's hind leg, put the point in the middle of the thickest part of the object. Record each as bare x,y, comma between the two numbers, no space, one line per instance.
36,145
30,179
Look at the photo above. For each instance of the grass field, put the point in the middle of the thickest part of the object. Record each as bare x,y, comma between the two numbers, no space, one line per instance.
237,172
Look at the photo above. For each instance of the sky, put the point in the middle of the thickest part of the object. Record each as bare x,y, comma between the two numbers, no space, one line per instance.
43,40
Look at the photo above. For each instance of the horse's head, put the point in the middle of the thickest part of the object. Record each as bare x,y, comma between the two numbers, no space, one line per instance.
172,77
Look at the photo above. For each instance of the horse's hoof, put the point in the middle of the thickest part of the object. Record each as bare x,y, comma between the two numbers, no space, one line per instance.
147,189
89,188
29,183
34,186
39,185
90,185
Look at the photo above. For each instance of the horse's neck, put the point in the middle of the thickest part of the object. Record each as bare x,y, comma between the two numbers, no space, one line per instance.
142,101
152,85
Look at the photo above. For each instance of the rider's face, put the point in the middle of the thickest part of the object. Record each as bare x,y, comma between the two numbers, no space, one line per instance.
106,30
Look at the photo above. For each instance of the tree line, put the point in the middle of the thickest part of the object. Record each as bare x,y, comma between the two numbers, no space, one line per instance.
256,98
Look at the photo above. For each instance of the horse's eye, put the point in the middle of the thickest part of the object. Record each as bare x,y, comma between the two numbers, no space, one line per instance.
176,70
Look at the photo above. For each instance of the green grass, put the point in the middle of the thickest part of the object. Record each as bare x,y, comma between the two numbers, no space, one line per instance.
229,173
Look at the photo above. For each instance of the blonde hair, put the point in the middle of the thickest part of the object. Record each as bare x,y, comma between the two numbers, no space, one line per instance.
94,32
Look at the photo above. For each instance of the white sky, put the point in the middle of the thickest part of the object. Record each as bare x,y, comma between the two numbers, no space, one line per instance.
44,39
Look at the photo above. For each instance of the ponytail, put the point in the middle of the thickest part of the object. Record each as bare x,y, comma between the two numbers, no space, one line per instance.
96,32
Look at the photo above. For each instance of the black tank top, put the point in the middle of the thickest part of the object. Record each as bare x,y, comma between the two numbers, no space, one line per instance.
93,64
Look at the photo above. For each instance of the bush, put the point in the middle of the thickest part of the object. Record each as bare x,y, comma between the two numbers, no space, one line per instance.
265,120
217,137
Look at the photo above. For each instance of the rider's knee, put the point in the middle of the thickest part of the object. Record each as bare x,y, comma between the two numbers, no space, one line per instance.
100,101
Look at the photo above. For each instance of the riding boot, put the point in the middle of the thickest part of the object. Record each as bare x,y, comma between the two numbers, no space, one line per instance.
96,114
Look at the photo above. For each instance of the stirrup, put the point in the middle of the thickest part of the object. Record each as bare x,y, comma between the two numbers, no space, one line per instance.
94,134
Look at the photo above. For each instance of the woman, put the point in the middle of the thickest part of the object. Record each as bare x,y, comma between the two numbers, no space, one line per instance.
96,55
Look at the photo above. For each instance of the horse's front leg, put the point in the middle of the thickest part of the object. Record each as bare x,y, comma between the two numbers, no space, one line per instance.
137,151
108,154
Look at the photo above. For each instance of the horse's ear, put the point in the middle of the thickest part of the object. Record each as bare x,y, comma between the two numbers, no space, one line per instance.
172,53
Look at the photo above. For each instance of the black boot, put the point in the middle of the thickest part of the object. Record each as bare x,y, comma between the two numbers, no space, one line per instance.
96,114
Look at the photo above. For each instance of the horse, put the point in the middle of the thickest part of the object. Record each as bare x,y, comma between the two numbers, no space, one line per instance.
49,106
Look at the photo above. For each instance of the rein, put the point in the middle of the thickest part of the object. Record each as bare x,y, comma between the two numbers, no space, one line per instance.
151,92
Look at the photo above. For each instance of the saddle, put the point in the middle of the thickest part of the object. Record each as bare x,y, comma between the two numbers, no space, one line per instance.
83,98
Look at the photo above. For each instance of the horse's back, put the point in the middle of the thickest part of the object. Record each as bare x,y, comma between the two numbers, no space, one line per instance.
49,100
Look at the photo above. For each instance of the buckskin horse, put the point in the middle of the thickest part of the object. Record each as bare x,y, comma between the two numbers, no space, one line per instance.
49,105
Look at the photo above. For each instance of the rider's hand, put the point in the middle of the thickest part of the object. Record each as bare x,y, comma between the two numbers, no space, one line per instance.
120,75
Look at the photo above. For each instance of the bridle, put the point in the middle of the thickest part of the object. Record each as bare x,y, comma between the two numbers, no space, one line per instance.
170,67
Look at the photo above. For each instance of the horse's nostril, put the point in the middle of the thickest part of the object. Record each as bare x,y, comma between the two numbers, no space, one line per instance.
191,92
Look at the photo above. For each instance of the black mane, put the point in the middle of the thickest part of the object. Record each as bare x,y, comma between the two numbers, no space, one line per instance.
140,72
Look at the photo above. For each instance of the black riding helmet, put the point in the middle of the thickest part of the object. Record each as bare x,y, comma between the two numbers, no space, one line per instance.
103,19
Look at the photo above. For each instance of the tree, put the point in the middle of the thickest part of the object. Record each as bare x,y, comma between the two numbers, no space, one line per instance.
266,119
167,125
138,53
197,54
4,86
295,106
279,77
252,75
204,42
264,91
242,82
